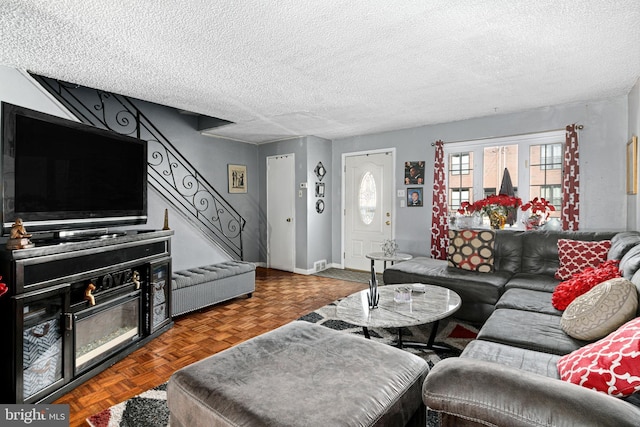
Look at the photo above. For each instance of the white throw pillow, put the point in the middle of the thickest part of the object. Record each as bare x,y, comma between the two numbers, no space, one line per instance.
602,310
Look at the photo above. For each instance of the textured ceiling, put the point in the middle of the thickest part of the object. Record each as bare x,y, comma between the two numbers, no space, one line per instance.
331,68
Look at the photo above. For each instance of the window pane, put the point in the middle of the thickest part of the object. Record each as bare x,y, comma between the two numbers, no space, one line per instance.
367,198
496,160
545,176
460,179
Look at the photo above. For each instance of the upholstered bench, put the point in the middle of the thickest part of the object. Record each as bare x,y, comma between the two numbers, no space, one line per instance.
201,287
301,374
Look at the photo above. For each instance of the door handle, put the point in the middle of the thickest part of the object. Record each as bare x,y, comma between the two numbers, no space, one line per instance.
289,219
388,222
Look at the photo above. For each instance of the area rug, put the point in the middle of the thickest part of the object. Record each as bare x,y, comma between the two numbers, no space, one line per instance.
348,275
149,409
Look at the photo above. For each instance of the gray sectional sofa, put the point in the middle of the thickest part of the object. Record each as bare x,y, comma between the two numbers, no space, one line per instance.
508,376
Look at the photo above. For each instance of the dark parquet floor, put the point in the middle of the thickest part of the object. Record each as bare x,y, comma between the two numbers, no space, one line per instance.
280,298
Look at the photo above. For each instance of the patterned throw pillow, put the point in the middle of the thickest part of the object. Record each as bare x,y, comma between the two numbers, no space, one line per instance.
611,365
471,250
576,255
583,282
601,311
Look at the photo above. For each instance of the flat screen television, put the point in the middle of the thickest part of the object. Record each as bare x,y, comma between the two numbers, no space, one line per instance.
62,175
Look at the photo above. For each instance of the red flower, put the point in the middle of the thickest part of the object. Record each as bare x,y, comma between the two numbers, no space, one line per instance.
3,288
539,207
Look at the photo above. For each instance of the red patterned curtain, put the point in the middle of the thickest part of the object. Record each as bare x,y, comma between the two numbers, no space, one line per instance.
439,222
571,181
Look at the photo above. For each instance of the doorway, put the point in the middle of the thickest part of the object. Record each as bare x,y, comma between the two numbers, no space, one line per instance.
281,188
368,205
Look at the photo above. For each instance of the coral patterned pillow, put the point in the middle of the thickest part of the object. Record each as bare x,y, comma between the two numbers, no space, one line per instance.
581,283
610,365
471,250
576,255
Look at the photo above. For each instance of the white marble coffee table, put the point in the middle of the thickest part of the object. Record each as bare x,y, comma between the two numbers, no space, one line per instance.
430,306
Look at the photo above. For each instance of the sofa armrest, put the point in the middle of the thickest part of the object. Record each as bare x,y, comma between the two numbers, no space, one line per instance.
492,394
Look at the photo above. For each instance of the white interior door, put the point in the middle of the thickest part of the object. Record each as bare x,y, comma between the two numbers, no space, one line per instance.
368,206
281,189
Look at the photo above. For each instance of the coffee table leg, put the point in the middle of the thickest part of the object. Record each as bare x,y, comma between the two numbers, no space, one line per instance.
434,332
430,342
365,331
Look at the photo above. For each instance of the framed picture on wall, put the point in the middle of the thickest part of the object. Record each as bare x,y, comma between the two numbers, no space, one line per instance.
414,196
414,172
632,166
237,178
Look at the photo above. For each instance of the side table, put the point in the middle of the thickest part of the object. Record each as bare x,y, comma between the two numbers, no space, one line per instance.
381,256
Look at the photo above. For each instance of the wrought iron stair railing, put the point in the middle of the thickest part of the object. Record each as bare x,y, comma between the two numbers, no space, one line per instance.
168,171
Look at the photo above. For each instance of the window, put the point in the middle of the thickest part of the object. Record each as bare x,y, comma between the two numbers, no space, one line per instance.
534,163
461,180
553,194
545,178
459,164
367,198
457,196
551,156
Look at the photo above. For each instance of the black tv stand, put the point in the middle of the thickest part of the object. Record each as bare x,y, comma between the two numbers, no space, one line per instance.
46,315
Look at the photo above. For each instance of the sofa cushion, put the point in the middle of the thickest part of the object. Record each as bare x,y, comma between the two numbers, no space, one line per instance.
581,283
540,248
529,360
527,329
575,255
630,262
535,282
601,311
622,242
610,365
471,250
528,300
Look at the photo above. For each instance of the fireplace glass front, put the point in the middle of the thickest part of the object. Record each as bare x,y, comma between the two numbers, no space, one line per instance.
101,332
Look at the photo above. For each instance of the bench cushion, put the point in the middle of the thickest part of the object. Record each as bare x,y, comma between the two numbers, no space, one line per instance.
300,374
209,273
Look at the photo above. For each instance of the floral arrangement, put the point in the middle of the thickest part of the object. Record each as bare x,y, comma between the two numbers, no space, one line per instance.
500,209
540,207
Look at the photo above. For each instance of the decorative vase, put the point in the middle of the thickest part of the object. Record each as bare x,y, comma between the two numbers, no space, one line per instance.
533,222
389,247
497,220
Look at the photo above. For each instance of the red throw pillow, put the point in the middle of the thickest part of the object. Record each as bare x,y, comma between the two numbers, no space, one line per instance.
610,365
581,283
576,255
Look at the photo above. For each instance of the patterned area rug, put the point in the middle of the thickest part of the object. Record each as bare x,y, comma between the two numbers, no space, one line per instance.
149,409
348,275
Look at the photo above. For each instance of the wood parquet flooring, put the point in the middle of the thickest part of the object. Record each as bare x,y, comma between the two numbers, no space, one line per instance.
280,298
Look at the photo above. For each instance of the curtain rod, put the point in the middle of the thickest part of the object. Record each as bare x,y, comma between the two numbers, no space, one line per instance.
578,127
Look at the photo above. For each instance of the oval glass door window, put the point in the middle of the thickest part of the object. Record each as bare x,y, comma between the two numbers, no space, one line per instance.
367,198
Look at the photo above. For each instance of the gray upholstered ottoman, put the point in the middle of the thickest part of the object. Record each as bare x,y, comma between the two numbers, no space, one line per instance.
301,374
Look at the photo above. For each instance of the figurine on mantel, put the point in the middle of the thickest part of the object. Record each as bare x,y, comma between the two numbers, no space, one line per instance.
19,237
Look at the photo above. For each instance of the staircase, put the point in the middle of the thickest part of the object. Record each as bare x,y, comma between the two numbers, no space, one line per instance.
168,171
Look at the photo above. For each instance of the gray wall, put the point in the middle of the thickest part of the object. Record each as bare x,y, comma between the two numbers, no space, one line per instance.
312,230
602,159
633,211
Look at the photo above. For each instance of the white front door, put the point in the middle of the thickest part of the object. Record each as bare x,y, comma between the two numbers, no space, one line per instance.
368,206
281,192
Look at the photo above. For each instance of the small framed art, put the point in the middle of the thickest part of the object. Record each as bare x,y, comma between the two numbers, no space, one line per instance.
414,196
632,165
237,178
